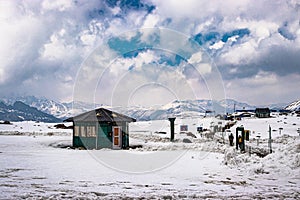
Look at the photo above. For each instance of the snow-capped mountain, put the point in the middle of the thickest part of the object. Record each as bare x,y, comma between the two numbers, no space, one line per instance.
59,110
295,106
51,107
184,108
173,109
20,111
187,108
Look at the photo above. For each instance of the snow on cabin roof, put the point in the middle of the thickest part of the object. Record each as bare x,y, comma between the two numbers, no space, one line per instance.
101,115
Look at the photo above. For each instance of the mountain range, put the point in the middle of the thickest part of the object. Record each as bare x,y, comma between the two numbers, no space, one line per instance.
20,111
43,109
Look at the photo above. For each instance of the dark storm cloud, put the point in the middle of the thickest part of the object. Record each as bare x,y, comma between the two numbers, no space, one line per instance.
281,60
277,59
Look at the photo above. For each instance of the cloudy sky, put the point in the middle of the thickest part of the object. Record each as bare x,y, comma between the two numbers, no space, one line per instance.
151,52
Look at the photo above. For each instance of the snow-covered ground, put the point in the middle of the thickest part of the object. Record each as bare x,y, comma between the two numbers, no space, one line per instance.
34,163
33,128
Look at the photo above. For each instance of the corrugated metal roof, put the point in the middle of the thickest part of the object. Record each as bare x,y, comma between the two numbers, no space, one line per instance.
101,115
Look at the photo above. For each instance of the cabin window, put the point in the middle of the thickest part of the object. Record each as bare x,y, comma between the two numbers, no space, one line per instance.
76,129
91,131
82,131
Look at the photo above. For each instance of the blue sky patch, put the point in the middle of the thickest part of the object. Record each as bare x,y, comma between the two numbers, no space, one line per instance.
207,38
127,5
127,47
170,59
238,32
284,32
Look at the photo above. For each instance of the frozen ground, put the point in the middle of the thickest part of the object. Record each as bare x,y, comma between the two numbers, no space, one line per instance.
35,165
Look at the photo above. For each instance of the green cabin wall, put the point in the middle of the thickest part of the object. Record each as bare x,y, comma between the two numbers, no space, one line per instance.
103,137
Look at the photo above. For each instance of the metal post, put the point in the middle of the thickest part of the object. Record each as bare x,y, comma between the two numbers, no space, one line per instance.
172,119
258,140
270,139
249,150
236,139
280,129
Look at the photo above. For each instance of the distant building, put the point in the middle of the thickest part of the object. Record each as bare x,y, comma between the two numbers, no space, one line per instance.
183,128
239,115
101,128
262,112
246,114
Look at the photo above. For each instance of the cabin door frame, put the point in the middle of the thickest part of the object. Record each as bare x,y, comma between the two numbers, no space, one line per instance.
116,137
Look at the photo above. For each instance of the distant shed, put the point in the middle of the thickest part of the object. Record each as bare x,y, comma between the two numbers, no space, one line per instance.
262,112
101,128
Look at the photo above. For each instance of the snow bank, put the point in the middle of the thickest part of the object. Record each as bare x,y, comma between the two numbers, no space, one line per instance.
161,143
233,157
285,160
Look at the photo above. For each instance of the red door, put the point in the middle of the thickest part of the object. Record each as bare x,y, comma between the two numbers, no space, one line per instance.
116,137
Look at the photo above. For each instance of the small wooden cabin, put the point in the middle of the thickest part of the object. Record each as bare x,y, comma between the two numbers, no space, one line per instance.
262,112
101,128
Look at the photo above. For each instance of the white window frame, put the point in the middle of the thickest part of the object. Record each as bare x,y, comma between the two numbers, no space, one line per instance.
82,131
76,131
91,131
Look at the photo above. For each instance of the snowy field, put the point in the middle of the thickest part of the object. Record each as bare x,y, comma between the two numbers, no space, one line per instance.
36,163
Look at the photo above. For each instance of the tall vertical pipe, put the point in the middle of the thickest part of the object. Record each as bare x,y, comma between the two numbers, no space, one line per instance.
172,120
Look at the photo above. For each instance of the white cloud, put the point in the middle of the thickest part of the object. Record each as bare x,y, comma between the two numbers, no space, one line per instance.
264,88
19,37
88,39
195,9
93,34
241,53
159,82
260,29
262,78
201,67
195,58
151,21
50,39
204,68
60,5
57,49
116,10
217,45
145,58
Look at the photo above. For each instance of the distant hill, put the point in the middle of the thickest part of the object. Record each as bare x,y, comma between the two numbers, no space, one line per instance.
20,111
